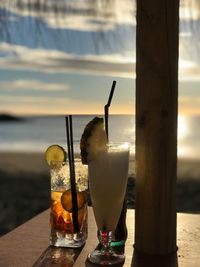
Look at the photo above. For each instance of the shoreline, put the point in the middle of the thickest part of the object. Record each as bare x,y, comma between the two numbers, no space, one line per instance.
25,187
34,162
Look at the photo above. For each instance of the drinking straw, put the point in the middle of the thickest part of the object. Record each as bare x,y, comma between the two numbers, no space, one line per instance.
106,107
69,132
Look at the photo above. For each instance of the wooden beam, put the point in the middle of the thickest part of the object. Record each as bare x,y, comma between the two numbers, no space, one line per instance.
156,125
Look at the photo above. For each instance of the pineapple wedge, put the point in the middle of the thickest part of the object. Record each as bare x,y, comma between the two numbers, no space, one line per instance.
93,140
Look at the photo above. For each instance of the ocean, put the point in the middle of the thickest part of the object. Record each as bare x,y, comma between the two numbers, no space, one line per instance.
36,133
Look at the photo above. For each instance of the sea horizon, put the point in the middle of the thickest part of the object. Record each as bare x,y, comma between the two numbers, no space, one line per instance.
36,132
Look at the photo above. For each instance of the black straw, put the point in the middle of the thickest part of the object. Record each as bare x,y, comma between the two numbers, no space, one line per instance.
70,147
106,107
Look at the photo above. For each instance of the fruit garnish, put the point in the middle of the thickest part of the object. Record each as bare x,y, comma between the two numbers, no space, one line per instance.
56,208
66,200
93,140
55,153
56,195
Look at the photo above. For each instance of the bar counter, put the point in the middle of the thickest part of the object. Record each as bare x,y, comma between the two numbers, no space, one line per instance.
28,245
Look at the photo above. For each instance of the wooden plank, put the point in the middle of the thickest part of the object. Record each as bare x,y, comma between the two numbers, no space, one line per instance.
28,245
156,125
68,256
22,246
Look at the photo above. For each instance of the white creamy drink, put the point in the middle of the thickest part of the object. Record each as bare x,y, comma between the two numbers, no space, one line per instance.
108,174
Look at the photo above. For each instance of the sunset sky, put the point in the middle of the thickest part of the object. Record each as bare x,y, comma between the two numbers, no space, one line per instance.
65,63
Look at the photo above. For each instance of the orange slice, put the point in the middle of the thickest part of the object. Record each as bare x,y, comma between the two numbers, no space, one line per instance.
66,200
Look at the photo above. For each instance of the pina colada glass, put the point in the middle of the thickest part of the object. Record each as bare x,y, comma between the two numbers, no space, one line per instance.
108,173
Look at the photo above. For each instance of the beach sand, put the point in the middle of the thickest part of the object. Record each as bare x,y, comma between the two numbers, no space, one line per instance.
25,187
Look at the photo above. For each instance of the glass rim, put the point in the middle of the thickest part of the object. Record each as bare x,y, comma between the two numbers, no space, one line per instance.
57,164
122,145
117,143
66,162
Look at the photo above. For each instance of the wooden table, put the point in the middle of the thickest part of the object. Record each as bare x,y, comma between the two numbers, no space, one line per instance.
28,245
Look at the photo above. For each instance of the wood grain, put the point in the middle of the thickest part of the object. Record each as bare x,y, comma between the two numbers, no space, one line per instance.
156,125
28,245
22,246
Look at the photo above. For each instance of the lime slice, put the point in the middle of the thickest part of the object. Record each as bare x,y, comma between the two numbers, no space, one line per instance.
66,200
55,153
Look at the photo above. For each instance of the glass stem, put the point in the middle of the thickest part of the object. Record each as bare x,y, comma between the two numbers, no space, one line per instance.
106,239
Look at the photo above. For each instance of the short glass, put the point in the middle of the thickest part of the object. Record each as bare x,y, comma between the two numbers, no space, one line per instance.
64,232
108,174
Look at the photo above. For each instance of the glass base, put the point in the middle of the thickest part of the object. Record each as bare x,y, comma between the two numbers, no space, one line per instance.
112,258
61,239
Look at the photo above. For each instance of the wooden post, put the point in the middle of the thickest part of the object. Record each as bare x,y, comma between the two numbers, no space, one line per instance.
156,125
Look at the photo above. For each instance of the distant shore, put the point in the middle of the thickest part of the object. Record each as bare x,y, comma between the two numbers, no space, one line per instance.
4,117
25,187
25,162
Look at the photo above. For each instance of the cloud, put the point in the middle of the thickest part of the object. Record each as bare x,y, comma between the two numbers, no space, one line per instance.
34,104
32,85
59,105
189,10
86,16
189,70
34,100
52,61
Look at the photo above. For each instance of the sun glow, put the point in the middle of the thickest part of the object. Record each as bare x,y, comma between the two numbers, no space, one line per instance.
183,128
183,131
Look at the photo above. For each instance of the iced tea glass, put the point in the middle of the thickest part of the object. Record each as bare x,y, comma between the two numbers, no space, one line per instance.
63,233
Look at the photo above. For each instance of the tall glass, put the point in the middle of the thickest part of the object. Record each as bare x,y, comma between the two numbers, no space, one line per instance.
64,231
108,174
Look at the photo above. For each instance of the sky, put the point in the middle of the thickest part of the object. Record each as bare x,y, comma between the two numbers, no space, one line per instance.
60,57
